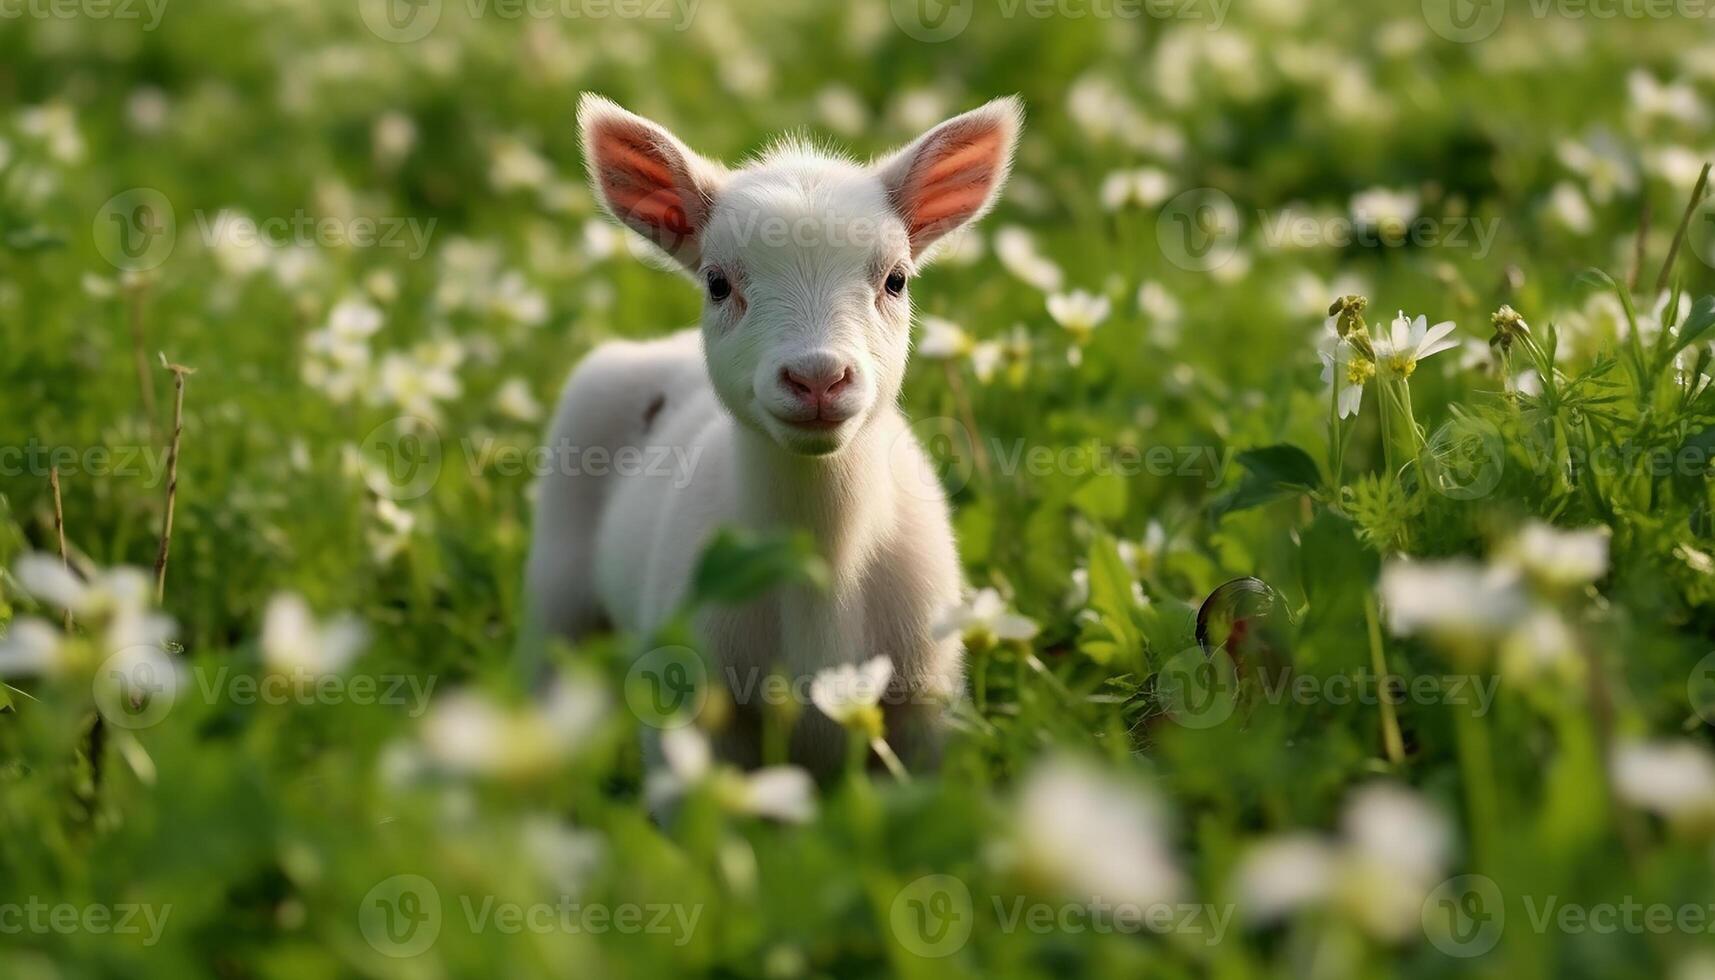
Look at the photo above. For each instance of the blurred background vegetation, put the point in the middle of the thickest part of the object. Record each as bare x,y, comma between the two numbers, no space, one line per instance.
184,183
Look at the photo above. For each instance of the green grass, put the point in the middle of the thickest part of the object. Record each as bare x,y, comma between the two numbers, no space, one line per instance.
267,822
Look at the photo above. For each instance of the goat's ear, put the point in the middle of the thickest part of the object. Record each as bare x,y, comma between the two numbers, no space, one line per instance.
647,179
953,174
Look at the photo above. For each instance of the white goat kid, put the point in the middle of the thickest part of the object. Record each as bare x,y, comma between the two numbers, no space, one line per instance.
781,412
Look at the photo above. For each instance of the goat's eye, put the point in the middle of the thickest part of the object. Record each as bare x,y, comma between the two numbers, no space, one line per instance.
895,283
719,287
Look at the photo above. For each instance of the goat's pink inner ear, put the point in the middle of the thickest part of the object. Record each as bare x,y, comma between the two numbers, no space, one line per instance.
640,186
648,183
951,177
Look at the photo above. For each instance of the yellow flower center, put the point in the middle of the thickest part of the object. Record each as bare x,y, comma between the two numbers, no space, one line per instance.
1359,370
1402,365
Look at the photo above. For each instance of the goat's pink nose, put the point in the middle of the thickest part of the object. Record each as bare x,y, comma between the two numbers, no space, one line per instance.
818,384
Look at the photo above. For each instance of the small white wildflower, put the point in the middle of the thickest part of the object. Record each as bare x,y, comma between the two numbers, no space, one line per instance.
841,110
515,400
294,643
1017,252
1343,365
514,165
1386,211
785,793
1562,559
850,694
1079,312
944,340
1145,188
1675,779
985,620
1096,837
1410,341
1457,599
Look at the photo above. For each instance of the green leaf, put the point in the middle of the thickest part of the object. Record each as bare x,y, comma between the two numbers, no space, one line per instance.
1114,634
1271,472
1336,568
1103,498
1701,318
740,565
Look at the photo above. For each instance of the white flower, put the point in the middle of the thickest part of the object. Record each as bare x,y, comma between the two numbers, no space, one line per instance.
1566,202
515,300
850,693
1391,853
944,340
1162,310
1563,559
785,793
513,165
470,733
1411,341
841,110
515,400
1016,250
31,648
1458,598
118,600
984,620
1603,163
1079,312
55,126
388,540
1284,874
987,357
417,383
1395,827
1145,187
1343,365
294,643
564,856
1387,211
1675,779
1677,101
354,320
1095,837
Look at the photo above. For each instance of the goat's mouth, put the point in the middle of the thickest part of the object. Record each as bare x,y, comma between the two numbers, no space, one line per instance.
814,436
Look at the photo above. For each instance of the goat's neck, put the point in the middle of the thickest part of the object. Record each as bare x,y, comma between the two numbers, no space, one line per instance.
843,500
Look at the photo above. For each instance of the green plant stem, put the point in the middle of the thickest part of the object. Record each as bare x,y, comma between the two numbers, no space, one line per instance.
1476,765
1391,738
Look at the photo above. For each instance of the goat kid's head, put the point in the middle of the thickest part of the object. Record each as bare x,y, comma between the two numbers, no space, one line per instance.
804,258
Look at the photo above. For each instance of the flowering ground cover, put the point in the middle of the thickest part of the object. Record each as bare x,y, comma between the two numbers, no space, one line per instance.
1326,412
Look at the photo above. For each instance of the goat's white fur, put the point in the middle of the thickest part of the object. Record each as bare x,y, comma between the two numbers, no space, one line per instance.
619,547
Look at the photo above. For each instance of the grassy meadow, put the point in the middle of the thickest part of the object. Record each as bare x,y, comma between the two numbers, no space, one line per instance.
1326,412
